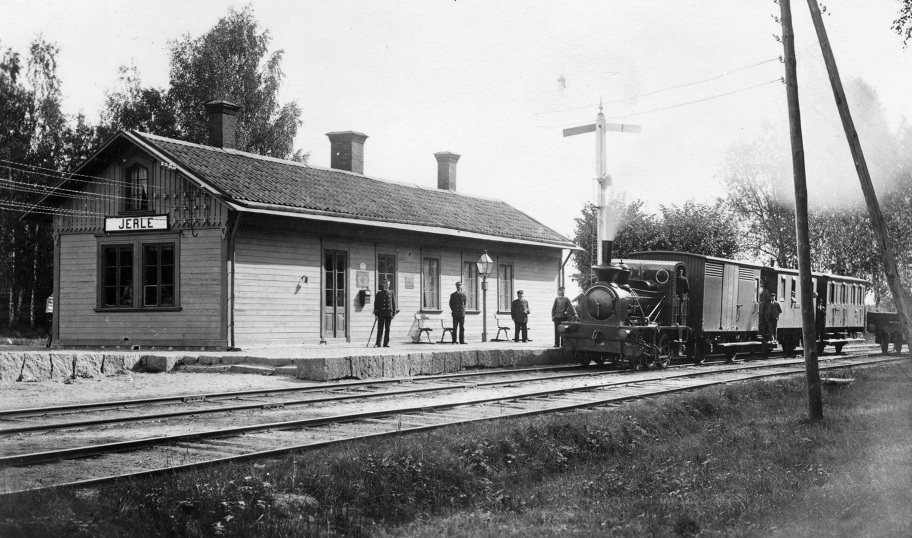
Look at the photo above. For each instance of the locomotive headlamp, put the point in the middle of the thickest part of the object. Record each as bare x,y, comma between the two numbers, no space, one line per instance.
624,334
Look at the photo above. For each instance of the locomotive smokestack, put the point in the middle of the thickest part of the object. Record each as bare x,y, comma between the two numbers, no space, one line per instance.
606,252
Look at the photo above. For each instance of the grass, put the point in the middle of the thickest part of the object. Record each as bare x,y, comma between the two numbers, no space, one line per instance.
23,336
740,460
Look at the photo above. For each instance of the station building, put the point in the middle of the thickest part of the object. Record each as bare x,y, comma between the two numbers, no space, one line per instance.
160,243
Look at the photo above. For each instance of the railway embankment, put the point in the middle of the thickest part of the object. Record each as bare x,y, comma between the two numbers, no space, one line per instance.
318,364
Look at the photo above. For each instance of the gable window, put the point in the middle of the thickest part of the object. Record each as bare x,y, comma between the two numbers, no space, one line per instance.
470,284
138,274
137,188
430,284
386,269
504,287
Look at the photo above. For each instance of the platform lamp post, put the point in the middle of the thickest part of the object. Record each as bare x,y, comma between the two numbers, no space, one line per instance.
484,263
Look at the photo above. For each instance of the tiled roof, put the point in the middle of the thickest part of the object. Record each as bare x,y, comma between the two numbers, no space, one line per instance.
246,177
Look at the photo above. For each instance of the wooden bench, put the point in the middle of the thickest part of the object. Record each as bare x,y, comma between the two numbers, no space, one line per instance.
429,322
504,324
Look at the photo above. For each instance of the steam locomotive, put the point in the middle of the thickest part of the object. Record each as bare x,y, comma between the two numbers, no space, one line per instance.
653,306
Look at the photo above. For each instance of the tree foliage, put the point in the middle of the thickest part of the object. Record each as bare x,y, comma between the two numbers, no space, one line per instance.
698,228
903,23
231,62
37,141
760,195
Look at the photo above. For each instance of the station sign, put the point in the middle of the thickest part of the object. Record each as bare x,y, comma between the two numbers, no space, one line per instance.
144,223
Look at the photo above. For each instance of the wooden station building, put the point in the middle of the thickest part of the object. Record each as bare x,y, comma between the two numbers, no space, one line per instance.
161,243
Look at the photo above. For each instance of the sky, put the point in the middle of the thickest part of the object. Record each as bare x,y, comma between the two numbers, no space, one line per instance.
497,82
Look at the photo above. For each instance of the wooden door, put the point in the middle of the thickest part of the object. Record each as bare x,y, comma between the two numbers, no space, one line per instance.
335,308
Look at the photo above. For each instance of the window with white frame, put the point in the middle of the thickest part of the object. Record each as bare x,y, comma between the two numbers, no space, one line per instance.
470,284
430,284
504,286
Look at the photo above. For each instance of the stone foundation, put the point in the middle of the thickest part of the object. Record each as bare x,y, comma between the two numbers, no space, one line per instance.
61,366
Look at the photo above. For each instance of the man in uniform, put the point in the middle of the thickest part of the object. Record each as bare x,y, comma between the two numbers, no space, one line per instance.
458,300
385,310
764,307
519,311
562,310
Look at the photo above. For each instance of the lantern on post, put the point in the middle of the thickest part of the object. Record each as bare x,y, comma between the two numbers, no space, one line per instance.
485,264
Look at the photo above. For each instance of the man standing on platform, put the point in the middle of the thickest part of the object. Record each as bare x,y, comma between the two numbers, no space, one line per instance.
385,310
519,311
458,301
561,311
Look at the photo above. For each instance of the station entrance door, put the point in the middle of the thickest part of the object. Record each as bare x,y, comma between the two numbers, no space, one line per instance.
335,310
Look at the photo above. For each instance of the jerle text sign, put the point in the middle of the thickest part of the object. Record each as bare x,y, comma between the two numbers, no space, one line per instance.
134,224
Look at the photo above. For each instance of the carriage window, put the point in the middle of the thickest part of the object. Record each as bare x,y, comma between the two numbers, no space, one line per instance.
831,293
781,291
843,295
794,285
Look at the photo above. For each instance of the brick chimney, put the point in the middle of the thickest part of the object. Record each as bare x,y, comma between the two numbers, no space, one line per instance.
347,151
222,123
446,170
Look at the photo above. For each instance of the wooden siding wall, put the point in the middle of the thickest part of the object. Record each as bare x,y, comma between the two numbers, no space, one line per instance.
198,323
275,307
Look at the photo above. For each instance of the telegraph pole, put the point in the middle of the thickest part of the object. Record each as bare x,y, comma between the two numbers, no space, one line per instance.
815,400
900,294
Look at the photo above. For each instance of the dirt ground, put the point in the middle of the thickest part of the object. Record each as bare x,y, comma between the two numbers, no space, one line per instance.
134,386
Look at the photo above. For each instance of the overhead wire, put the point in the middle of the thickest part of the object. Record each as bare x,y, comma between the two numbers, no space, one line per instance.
672,106
632,97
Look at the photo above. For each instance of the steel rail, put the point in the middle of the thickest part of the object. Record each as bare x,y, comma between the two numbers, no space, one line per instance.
612,401
194,398
120,446
326,399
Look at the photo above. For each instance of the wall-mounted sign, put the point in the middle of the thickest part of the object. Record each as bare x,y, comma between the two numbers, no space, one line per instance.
134,224
409,282
362,279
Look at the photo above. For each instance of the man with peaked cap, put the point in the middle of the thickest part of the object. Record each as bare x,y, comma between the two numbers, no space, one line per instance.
562,310
458,301
519,311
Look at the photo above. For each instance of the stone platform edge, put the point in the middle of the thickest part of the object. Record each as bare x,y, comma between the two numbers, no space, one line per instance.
19,366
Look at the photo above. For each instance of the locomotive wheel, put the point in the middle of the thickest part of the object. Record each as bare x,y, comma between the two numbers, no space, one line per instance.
636,362
884,344
664,352
600,360
582,359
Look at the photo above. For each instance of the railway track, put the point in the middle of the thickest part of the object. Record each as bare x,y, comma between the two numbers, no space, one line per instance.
158,442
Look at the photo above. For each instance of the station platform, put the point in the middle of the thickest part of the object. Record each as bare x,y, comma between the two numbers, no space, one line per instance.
313,362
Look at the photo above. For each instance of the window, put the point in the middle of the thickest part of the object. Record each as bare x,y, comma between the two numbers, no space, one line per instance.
386,269
430,284
158,275
780,293
470,284
138,274
117,276
137,188
504,287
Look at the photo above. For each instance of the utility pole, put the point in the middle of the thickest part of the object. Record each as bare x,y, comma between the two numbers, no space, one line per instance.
815,399
900,294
